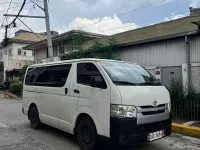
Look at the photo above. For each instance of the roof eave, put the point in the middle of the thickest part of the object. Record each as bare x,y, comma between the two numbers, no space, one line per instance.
167,37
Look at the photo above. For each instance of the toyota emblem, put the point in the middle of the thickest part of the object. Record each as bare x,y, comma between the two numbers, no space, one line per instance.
155,103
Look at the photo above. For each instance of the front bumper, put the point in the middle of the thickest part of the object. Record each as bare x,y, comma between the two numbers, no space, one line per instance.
125,131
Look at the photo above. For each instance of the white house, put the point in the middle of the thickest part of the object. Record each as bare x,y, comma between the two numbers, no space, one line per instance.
12,55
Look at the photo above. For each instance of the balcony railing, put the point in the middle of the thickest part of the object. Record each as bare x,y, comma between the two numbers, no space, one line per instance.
46,60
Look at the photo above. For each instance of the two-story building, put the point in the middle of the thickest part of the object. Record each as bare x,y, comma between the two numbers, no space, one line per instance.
62,44
12,55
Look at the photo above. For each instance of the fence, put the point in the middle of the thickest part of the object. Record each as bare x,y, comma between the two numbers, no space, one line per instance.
186,109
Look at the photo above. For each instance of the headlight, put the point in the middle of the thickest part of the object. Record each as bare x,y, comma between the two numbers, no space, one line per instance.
123,111
169,107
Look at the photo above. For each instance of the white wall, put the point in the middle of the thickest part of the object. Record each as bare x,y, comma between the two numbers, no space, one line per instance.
13,60
41,54
20,45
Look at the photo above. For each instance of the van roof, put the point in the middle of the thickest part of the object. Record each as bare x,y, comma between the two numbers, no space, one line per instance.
73,60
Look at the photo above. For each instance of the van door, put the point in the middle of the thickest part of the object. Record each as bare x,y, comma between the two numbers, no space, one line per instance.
53,83
93,101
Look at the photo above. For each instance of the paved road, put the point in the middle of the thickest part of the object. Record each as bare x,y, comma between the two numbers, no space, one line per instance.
21,136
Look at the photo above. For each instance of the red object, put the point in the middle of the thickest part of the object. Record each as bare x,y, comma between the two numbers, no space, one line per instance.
163,133
148,137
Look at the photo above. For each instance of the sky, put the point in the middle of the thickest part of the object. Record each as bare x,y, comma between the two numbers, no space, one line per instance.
97,16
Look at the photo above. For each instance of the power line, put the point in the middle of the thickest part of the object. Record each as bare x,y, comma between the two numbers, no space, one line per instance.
13,7
54,17
32,31
121,14
141,22
9,2
7,12
17,14
29,12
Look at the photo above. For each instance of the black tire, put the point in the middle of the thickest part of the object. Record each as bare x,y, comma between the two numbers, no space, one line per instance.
34,118
86,134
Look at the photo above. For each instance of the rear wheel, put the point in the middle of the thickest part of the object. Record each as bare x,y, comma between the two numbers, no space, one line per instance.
34,117
86,134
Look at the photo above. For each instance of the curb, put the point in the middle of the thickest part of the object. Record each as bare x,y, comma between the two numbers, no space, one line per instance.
186,130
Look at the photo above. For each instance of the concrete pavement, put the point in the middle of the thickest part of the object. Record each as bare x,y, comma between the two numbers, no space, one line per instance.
51,138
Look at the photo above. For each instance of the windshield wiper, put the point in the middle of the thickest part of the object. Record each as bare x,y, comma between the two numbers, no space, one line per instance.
149,83
124,83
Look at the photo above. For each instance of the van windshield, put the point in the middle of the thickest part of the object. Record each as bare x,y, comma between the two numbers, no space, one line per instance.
122,73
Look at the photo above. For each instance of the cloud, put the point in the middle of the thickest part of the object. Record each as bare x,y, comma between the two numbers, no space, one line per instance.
106,25
174,17
194,3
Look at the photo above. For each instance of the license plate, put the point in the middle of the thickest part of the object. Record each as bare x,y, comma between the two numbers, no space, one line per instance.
155,135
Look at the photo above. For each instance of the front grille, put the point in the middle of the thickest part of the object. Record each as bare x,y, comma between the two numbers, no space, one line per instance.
153,112
149,106
152,127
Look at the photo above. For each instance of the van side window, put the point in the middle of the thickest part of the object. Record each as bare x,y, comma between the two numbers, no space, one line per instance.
52,76
31,75
85,71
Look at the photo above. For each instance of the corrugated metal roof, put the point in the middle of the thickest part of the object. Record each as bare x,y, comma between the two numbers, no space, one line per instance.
168,29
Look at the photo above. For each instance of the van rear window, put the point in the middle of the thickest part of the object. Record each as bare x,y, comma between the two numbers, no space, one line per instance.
51,76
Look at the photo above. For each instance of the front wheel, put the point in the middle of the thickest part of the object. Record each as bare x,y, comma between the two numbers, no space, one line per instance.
86,134
34,117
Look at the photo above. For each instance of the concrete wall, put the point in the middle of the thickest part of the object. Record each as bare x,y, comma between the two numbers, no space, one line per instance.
195,76
40,54
168,73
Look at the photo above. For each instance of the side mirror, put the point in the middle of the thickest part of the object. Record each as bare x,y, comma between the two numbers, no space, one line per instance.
97,81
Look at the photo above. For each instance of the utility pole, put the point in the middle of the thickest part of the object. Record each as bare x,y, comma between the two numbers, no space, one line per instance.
49,39
46,12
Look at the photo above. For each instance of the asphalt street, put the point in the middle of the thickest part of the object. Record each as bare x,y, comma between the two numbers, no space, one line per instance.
16,134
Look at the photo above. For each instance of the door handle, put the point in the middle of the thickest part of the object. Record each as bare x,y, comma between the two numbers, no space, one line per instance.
76,91
66,91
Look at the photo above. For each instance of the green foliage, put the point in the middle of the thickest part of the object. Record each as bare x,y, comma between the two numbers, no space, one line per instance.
14,81
78,40
185,102
176,89
98,50
16,88
23,70
180,91
1,86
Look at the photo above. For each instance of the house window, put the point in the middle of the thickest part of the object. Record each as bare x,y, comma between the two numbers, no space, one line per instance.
9,52
5,52
19,51
24,53
1,55
55,50
33,54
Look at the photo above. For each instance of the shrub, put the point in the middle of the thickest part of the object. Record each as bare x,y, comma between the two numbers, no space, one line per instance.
185,102
14,81
16,88
1,86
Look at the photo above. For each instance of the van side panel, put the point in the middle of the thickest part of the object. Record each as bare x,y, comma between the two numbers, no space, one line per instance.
52,103
93,101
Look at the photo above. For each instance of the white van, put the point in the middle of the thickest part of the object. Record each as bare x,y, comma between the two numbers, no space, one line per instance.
93,98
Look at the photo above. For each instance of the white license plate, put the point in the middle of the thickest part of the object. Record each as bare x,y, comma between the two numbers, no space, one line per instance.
155,135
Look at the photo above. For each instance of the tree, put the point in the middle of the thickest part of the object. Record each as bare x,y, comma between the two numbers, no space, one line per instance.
97,50
22,72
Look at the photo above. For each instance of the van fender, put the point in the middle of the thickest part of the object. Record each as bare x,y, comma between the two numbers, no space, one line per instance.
89,112
33,101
